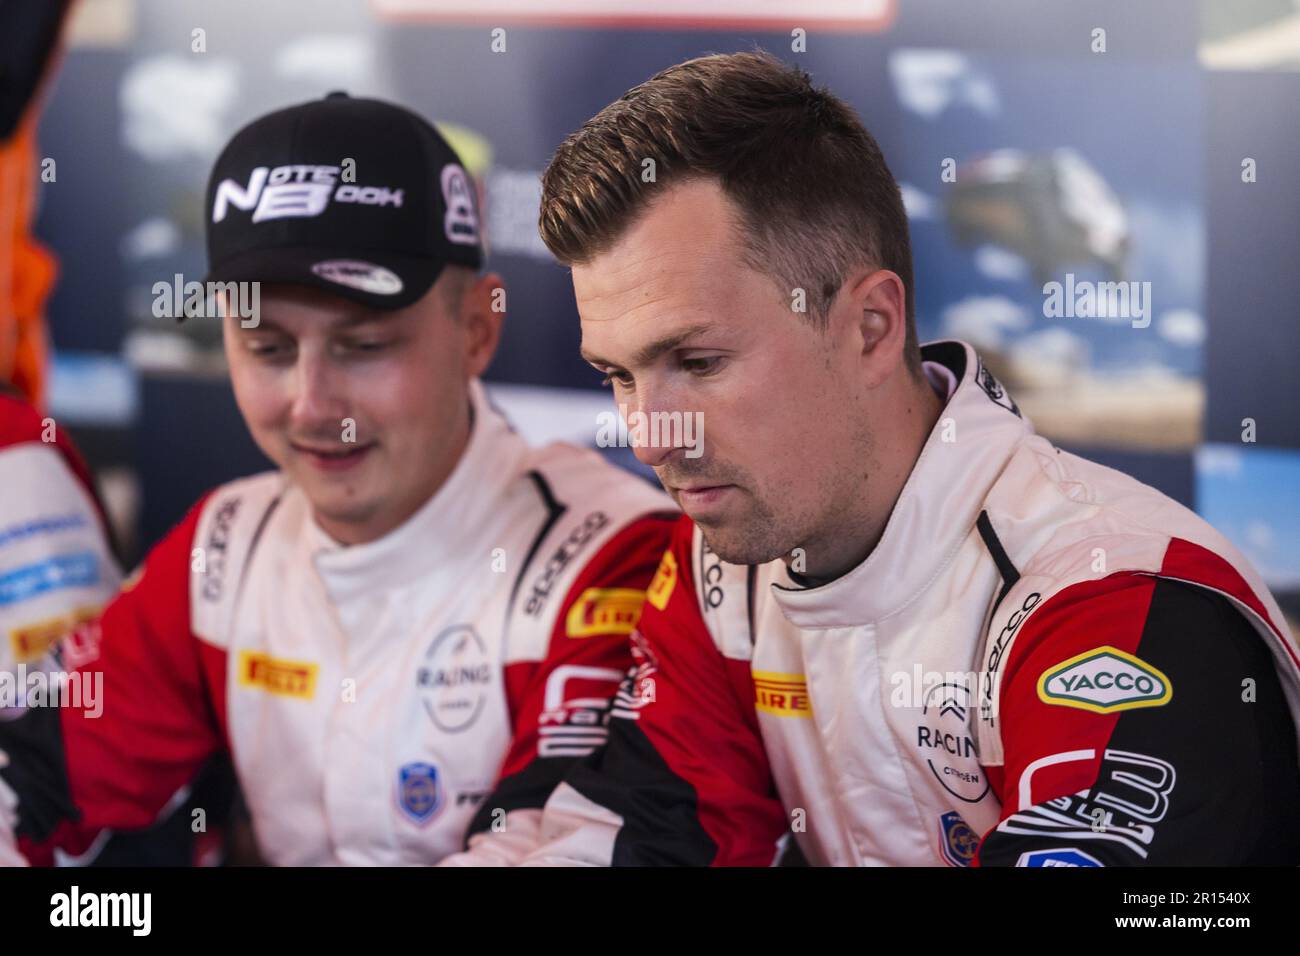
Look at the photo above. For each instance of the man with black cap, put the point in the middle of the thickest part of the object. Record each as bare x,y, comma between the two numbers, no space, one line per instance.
411,628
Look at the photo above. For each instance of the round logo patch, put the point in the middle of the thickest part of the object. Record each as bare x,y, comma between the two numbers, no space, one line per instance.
365,276
943,740
454,678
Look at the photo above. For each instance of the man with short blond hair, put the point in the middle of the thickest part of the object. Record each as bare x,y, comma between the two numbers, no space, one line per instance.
894,624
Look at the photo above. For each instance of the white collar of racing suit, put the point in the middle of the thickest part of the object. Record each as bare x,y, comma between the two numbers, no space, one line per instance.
446,530
937,508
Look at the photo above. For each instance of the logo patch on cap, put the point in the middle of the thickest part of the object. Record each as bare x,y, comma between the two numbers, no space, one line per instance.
461,221
365,276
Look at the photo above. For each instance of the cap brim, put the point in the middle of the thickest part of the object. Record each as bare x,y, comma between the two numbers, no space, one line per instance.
358,277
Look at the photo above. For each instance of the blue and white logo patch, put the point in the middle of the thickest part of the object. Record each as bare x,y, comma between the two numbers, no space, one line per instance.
1065,856
420,791
957,840
41,526
80,569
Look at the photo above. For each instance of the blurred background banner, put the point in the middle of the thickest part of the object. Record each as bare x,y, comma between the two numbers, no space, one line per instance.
1103,199
657,14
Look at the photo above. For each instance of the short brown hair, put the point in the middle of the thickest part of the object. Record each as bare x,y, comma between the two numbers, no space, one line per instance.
812,186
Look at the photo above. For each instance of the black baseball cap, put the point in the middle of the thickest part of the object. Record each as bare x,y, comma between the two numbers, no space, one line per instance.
359,197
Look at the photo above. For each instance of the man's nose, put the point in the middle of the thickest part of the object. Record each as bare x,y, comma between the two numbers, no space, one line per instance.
660,436
317,399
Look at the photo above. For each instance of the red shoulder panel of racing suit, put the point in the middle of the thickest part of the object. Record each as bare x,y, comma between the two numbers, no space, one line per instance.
1202,774
627,560
689,776
695,687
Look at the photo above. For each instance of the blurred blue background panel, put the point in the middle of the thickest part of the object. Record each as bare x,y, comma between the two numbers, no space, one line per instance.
176,465
88,207
1254,256
1249,494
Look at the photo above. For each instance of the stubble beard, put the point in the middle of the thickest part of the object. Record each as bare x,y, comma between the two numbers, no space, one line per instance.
764,531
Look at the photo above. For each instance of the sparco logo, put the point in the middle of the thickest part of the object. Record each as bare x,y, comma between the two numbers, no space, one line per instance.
215,550
988,711
299,190
574,543
712,576
945,742
454,678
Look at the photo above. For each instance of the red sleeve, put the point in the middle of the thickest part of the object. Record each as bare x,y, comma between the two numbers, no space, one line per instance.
558,705
151,713
1128,738
685,770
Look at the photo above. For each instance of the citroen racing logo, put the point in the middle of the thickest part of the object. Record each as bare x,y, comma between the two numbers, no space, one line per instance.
944,740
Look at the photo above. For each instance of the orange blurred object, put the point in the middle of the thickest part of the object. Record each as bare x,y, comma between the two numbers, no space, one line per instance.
27,269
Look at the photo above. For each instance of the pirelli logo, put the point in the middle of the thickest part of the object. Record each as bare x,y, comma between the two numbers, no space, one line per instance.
604,611
276,676
665,579
31,641
783,695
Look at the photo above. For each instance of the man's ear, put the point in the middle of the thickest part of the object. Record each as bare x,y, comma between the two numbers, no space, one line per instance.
876,306
482,310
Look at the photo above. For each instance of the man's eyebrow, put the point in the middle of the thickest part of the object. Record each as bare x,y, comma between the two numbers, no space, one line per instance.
648,353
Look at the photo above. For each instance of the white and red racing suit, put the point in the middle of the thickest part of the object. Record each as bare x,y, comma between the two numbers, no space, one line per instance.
377,700
1044,662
